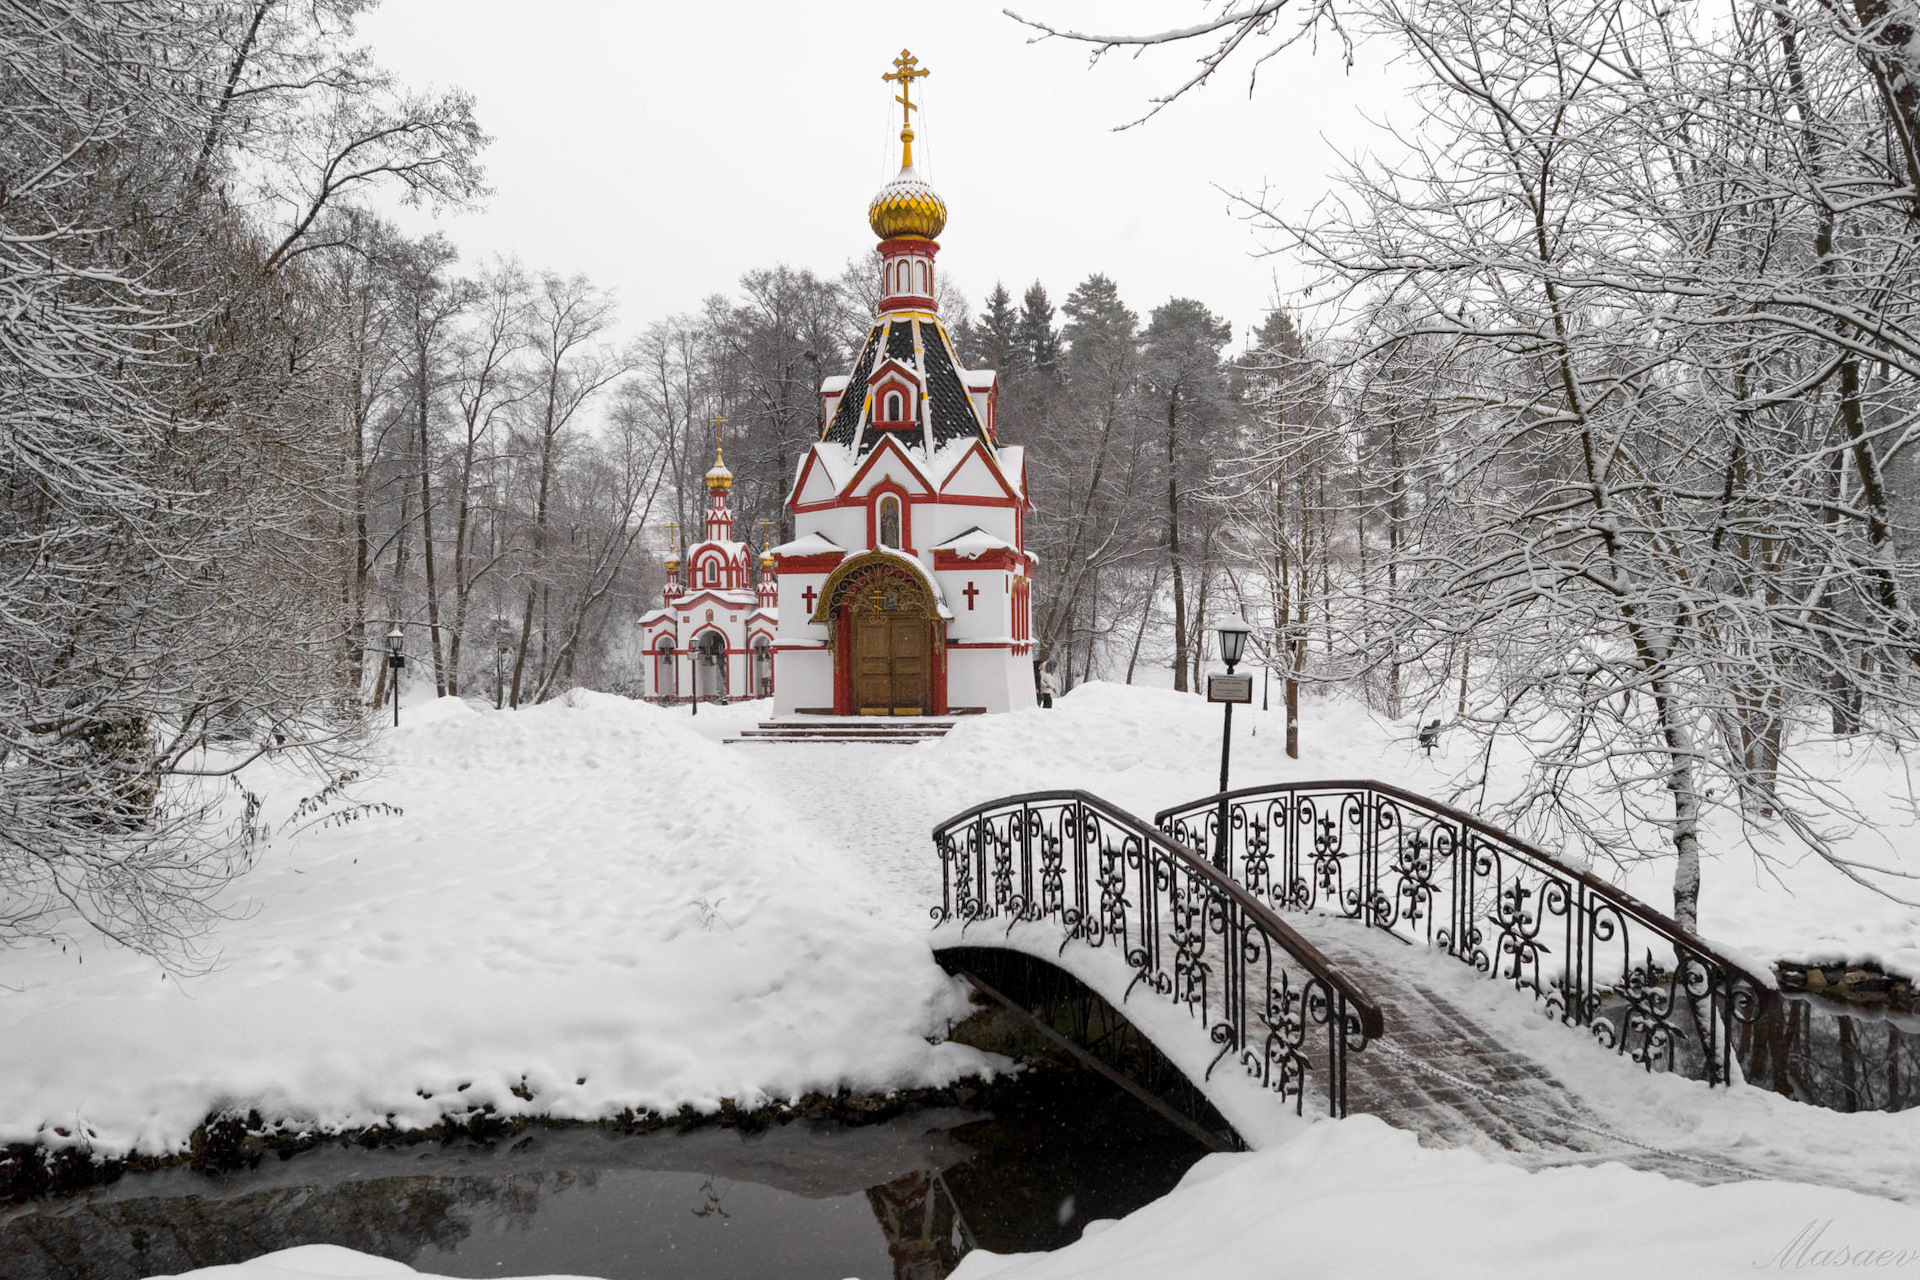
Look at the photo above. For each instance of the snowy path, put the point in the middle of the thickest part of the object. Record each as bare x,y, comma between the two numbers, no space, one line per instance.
861,799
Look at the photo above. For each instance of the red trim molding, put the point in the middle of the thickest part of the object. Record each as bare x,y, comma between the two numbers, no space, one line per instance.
820,562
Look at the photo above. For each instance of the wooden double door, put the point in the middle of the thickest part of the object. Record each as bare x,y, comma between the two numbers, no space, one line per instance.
892,661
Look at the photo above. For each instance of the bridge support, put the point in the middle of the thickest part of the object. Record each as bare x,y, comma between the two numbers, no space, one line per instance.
1045,1008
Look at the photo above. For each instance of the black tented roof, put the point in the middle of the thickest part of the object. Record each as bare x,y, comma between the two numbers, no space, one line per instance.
922,345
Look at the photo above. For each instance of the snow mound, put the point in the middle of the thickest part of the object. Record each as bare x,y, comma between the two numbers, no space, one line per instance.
314,1262
1360,1198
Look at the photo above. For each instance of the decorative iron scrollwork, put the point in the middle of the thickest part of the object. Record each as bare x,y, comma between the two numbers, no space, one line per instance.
1189,933
1435,875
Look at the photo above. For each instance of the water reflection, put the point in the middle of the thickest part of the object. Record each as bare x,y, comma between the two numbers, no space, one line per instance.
1834,1055
905,1199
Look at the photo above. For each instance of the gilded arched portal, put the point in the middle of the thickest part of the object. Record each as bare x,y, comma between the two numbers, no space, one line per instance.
888,639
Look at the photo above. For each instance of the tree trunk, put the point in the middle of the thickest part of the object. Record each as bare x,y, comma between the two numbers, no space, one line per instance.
426,519
1466,657
1146,613
1173,548
362,551
1197,647
1683,787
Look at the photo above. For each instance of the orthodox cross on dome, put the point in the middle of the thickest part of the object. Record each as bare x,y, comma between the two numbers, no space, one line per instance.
906,70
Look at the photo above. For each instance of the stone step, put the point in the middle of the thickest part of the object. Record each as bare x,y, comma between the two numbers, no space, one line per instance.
887,731
865,739
877,729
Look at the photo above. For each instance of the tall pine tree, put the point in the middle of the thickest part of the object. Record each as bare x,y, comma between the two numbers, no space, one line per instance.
1039,340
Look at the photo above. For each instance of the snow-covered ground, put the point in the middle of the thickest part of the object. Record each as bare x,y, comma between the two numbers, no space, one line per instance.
583,902
1359,1199
596,904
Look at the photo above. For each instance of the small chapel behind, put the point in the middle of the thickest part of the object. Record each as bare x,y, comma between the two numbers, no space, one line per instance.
905,590
713,637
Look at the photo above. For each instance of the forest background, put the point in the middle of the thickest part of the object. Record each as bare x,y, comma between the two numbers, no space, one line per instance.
1596,438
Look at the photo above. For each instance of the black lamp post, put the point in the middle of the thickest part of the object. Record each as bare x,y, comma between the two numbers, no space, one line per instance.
396,640
1233,642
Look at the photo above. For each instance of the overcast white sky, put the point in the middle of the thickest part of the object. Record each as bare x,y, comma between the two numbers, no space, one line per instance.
664,148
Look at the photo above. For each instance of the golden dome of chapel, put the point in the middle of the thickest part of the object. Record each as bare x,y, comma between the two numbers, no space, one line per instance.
908,206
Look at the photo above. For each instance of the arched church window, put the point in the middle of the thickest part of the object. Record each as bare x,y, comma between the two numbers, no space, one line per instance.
926,279
895,407
889,522
663,685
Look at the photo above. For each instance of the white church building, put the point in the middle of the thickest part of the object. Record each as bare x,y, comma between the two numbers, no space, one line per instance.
907,587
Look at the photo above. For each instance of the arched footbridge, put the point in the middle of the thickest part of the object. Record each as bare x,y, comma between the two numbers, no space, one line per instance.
1316,945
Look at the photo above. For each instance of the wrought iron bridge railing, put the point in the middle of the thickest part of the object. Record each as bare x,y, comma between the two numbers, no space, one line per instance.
1429,873
1266,996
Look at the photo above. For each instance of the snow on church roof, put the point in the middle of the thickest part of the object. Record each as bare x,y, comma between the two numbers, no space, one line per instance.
811,545
974,543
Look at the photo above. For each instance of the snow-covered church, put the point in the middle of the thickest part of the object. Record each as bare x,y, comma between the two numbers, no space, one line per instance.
714,636
906,588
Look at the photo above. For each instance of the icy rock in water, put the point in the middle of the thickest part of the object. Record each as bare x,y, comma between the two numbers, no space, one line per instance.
316,1262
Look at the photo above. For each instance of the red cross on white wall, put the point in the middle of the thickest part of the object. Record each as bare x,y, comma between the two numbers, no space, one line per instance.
970,593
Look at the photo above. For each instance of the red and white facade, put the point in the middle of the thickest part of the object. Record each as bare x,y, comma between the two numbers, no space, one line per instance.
907,514
715,635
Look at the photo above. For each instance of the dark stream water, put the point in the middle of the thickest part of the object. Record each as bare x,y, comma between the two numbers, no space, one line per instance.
1833,1055
905,1198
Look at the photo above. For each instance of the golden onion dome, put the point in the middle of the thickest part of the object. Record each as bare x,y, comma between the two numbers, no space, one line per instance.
907,206
719,479
766,559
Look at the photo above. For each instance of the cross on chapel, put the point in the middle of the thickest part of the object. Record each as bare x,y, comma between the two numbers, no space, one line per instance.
908,70
810,595
970,593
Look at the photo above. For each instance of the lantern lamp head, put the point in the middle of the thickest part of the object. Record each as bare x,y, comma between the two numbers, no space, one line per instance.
1233,639
395,639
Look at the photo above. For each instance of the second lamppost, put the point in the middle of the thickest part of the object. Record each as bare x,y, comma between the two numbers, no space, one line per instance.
1228,689
396,640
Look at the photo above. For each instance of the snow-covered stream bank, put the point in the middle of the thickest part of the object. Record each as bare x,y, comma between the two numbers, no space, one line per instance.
594,906
584,909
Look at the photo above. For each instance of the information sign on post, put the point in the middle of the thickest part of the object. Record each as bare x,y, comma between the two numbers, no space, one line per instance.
1229,688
